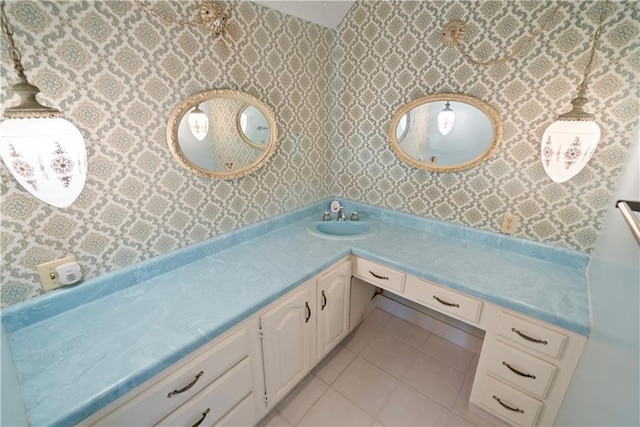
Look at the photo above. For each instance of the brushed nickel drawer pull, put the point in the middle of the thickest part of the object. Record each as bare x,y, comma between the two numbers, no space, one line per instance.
308,310
324,301
377,276
529,338
507,406
450,304
188,386
515,371
204,415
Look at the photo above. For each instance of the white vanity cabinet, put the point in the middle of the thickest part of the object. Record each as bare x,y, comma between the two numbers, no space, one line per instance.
302,327
288,331
332,296
525,365
215,383
525,368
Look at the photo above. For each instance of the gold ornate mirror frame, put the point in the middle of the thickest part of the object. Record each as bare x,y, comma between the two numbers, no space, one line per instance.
185,106
488,110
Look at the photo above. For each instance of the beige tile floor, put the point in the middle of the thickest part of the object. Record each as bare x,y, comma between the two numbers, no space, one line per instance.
388,372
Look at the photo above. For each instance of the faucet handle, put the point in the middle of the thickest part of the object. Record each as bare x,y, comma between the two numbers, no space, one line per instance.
326,216
354,216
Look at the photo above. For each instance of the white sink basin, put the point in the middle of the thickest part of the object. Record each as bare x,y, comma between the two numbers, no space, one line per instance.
343,229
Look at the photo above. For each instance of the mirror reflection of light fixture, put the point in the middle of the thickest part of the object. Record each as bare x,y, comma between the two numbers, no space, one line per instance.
45,153
198,123
569,143
446,119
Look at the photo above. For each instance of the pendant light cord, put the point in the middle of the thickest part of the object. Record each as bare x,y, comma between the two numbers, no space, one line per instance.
583,86
13,50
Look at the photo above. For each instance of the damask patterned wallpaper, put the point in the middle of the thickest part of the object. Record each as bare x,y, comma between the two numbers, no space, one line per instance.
117,73
390,53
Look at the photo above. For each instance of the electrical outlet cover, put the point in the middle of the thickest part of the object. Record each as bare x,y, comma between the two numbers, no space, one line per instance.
47,272
509,223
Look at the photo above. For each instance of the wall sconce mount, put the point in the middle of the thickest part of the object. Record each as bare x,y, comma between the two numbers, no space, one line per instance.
211,16
454,31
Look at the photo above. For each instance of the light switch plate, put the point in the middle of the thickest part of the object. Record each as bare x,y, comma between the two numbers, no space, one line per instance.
47,272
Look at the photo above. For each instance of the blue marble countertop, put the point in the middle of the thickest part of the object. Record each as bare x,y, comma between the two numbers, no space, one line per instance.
78,349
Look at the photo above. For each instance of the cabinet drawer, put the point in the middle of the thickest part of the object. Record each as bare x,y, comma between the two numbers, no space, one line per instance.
509,403
444,300
532,335
380,275
521,369
242,415
215,400
154,403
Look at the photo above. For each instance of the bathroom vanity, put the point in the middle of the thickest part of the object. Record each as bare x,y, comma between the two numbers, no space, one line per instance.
198,336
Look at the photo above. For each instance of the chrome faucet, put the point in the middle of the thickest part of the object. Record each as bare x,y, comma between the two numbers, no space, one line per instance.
341,215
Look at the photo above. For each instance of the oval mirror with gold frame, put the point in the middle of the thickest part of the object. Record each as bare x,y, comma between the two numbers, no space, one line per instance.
445,132
205,136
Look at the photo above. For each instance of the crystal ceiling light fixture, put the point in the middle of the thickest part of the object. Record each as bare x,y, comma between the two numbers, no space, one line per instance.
569,143
45,153
198,123
446,119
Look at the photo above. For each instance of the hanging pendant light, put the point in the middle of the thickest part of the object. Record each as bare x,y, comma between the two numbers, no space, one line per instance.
45,153
569,143
446,119
198,123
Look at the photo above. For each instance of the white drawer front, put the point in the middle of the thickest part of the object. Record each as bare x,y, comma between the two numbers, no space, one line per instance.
532,335
380,275
443,300
509,403
525,371
214,401
242,415
153,404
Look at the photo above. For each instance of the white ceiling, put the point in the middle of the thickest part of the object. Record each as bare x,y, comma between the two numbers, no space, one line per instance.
326,13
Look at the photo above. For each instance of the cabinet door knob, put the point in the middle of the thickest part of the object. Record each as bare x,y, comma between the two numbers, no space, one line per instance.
306,306
188,386
324,301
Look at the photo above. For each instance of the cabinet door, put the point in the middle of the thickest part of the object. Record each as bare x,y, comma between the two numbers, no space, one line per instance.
333,307
289,341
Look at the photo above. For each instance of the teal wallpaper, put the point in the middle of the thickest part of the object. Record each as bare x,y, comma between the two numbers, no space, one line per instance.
390,53
117,73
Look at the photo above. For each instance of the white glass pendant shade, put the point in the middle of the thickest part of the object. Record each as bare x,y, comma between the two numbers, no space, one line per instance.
446,119
47,156
567,146
198,123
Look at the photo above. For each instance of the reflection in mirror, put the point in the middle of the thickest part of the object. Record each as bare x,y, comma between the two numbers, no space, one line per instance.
205,133
434,140
198,123
403,126
253,127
